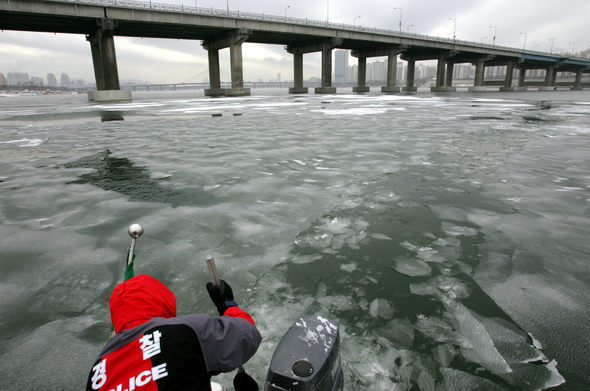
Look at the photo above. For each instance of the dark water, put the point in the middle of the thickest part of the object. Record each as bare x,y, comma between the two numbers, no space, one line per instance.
447,234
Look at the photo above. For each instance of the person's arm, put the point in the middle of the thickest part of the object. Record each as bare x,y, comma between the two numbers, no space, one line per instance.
237,312
230,340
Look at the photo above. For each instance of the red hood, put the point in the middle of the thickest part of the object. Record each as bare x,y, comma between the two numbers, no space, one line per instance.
138,300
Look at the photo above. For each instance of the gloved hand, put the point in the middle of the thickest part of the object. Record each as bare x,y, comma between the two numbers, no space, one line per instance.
222,296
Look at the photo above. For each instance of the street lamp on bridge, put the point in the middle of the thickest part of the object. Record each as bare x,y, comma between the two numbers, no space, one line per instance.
354,20
454,28
573,45
494,38
551,39
286,8
524,42
400,17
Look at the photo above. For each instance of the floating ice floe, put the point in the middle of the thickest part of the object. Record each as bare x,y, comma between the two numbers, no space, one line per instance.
412,267
456,230
25,142
379,236
355,111
333,233
482,350
348,267
442,287
380,308
454,379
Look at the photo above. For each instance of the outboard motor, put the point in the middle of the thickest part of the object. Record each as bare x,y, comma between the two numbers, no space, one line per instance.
307,358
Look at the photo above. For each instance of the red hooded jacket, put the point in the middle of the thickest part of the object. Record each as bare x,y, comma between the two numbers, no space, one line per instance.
155,350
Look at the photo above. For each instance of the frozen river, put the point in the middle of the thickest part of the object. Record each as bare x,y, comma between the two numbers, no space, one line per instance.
448,234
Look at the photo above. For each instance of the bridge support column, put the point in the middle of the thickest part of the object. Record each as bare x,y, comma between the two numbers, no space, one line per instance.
449,77
480,67
237,72
104,59
578,82
298,75
440,74
233,40
391,88
521,78
326,87
214,75
508,79
410,77
362,76
550,73
325,46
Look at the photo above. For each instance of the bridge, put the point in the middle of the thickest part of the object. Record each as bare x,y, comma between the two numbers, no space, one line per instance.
101,20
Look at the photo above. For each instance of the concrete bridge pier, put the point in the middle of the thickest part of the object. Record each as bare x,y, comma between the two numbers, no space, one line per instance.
391,53
521,78
104,59
237,72
233,40
440,74
326,87
391,88
550,73
449,77
410,87
578,81
478,84
214,74
362,76
508,79
324,46
298,75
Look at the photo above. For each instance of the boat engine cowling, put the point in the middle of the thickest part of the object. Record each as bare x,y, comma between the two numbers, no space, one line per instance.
307,358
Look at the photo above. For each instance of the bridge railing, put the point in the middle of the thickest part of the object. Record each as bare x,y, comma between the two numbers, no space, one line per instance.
138,4
275,18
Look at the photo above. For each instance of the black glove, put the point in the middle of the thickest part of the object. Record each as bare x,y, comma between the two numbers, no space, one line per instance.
222,296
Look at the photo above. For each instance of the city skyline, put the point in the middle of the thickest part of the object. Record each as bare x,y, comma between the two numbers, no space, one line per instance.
529,24
376,72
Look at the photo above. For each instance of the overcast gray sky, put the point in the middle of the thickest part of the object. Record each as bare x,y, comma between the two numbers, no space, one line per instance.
563,25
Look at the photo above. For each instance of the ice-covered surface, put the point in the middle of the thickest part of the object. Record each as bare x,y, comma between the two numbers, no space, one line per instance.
448,234
316,331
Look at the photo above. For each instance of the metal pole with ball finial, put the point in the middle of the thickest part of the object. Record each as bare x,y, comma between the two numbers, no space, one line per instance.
135,231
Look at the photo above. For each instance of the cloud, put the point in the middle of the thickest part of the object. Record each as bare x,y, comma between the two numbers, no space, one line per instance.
136,50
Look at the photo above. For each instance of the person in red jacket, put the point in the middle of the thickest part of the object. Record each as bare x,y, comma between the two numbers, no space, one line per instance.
153,349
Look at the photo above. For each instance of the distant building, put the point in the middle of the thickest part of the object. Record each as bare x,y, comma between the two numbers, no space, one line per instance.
463,72
3,80
340,65
51,80
352,73
78,83
64,80
17,78
401,73
35,82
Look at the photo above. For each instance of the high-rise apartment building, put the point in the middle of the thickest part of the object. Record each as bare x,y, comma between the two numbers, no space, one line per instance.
17,78
51,80
340,65
64,80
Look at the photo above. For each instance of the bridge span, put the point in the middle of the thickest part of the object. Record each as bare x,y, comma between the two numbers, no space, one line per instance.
101,20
